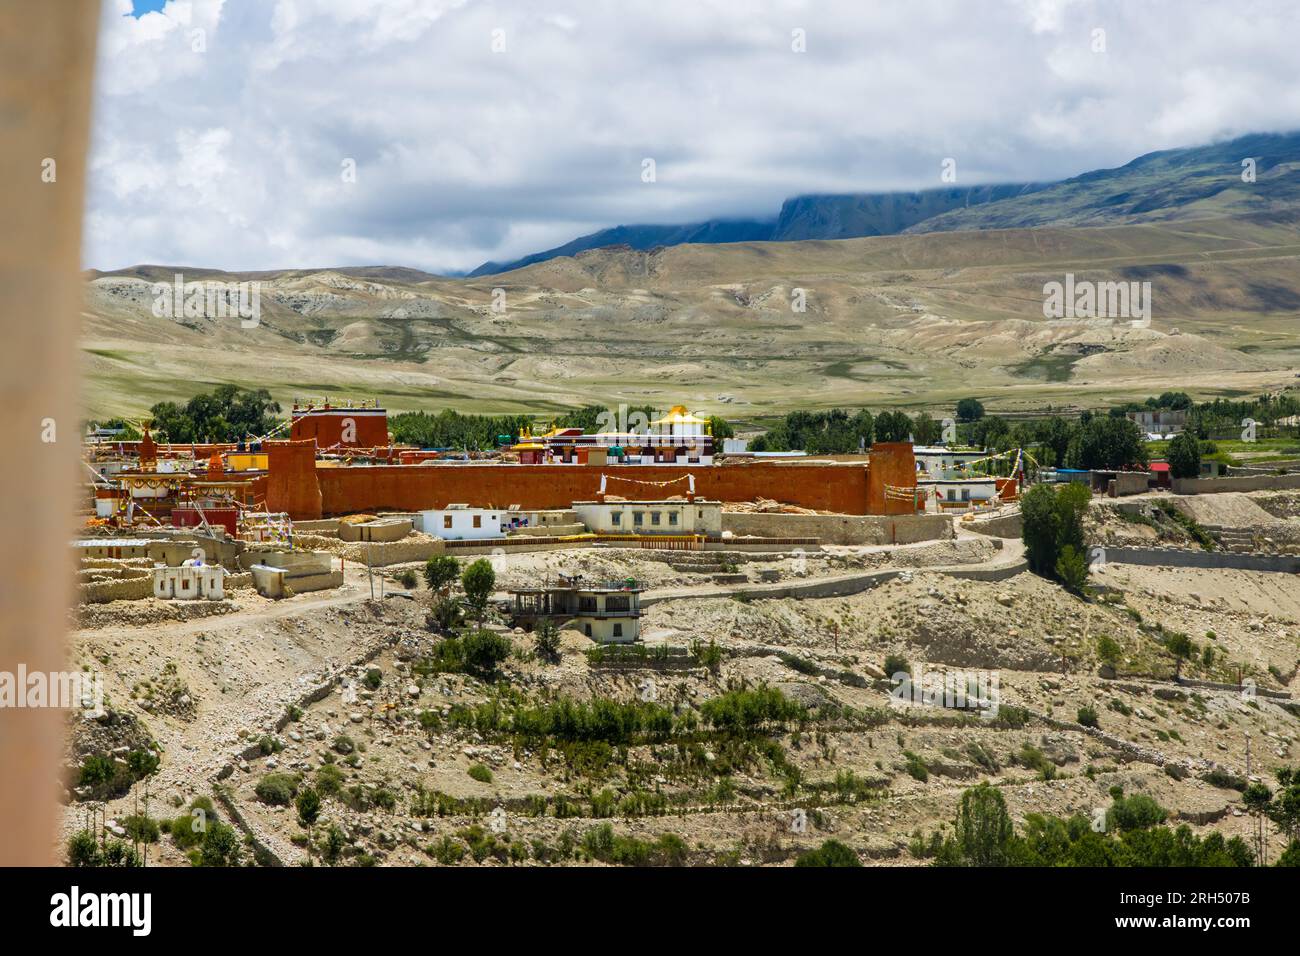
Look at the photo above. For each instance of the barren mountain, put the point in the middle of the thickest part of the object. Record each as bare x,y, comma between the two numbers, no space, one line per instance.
898,320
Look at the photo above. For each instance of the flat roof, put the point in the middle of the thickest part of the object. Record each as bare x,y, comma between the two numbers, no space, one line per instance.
114,542
677,500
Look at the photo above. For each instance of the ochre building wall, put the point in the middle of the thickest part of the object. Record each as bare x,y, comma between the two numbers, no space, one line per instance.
892,463
306,492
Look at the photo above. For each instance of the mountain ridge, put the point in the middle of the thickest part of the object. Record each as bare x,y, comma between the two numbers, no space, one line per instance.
1187,182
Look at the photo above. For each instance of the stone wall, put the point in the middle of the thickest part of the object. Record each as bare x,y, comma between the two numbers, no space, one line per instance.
128,589
1196,558
1205,486
999,526
840,528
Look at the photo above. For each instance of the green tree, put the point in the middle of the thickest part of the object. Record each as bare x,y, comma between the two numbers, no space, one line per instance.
1258,799
983,827
970,410
228,413
1184,456
546,641
1182,649
479,580
1107,443
220,845
1054,434
440,571
925,430
1285,809
308,804
892,426
1072,569
720,428
1051,520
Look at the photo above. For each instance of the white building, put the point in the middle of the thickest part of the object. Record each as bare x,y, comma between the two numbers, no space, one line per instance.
189,582
939,461
958,494
668,516
609,612
460,522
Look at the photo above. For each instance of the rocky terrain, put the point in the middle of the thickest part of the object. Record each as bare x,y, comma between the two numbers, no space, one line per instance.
417,765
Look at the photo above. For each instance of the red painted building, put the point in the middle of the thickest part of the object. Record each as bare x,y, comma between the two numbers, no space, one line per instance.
335,427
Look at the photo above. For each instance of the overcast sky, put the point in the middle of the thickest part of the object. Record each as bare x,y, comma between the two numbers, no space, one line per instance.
233,155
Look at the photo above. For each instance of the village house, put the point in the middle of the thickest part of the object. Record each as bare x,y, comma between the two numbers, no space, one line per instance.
189,582
461,522
607,612
668,516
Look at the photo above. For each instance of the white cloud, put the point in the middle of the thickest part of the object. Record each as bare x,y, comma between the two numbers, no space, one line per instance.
231,157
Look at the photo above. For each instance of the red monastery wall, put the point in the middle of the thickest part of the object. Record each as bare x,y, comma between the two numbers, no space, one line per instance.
295,485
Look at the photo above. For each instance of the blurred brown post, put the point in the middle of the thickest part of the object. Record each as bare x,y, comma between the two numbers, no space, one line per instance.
47,60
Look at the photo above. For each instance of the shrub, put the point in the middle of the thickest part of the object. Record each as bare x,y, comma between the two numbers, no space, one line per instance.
408,579
374,677
1137,812
1088,716
445,615
344,744
480,773
277,789
1108,650
896,664
85,851
707,655
141,828
915,766
830,853
446,851
484,650
329,780
221,846
546,641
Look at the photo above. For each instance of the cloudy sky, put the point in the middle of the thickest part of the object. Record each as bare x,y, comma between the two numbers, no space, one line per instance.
488,130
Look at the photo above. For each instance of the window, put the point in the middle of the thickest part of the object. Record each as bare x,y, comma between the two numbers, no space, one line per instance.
616,518
672,517
478,521
618,630
616,603
446,521
654,517
638,518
